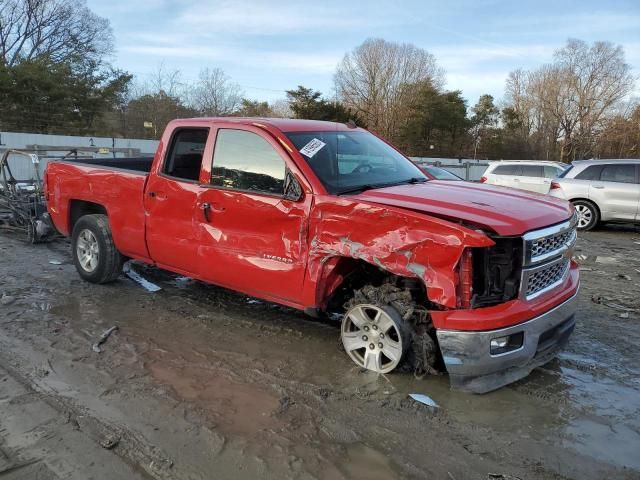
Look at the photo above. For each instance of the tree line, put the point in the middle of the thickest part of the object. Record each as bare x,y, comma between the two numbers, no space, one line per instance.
55,77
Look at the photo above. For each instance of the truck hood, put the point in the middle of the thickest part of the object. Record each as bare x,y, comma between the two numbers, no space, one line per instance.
506,211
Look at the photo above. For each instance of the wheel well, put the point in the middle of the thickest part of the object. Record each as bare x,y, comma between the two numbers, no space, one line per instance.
79,208
353,274
587,200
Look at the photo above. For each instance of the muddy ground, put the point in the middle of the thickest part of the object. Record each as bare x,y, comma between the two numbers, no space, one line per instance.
201,383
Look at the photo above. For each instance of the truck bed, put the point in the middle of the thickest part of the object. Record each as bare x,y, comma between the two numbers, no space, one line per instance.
137,164
90,185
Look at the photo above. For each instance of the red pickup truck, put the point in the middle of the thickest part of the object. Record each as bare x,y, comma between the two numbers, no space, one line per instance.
324,217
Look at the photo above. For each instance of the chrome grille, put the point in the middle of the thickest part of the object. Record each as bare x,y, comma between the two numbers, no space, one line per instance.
548,243
546,258
553,243
544,278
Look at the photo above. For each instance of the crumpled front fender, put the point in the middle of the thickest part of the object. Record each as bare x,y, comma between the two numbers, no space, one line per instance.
400,241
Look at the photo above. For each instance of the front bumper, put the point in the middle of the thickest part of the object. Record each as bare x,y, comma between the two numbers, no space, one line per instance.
473,368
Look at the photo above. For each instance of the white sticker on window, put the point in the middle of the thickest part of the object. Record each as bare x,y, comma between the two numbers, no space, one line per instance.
34,158
311,148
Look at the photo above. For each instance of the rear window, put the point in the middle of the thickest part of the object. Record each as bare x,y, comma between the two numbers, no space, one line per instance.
566,170
551,171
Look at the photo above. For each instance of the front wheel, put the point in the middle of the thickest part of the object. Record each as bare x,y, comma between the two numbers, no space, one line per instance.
588,214
375,337
94,254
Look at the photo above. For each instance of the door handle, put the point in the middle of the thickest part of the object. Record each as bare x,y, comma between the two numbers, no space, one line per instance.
205,210
158,195
216,207
598,186
516,179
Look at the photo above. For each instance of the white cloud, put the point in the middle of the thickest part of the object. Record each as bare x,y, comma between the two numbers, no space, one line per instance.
255,17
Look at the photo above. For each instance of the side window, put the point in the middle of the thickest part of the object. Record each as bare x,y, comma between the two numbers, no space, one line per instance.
185,154
551,172
532,171
590,173
507,170
622,173
245,161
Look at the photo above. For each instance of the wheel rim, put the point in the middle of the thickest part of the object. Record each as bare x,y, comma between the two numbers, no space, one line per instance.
372,338
585,215
87,250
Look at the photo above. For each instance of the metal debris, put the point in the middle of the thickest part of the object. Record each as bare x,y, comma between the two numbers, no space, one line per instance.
103,338
7,299
136,277
55,262
419,397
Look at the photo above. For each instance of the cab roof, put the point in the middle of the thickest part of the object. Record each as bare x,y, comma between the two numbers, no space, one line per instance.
282,124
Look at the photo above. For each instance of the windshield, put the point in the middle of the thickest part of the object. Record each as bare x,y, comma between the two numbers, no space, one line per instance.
440,173
347,162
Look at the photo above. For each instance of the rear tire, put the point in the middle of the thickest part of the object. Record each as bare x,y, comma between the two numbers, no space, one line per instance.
588,214
94,254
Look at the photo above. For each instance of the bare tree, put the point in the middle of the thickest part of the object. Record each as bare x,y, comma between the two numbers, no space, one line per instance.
570,99
281,108
214,94
60,30
372,81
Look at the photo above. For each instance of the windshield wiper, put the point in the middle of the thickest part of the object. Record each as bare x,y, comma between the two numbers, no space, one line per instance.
358,189
371,186
416,180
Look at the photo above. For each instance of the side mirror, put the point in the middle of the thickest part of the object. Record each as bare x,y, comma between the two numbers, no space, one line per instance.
292,188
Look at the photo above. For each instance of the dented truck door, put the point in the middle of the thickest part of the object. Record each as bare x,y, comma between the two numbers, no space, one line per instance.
251,236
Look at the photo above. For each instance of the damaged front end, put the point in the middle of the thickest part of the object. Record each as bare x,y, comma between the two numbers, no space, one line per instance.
496,272
23,205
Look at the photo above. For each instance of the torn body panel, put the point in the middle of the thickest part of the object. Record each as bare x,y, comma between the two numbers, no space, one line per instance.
399,241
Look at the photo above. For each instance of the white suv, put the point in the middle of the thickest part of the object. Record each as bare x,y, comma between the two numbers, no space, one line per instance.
535,176
601,191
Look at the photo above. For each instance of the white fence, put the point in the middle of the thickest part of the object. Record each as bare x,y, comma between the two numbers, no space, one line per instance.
49,147
464,168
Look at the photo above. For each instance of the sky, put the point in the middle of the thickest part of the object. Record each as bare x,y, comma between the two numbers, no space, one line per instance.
268,47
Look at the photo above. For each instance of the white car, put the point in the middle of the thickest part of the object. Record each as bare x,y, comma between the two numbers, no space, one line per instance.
534,176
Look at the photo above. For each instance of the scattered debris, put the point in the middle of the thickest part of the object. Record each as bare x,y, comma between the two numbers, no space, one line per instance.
501,476
606,301
55,262
109,442
7,299
253,301
419,397
586,259
103,338
623,276
624,315
136,277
